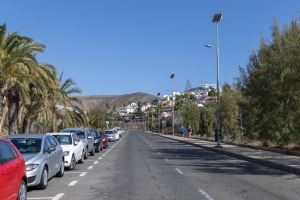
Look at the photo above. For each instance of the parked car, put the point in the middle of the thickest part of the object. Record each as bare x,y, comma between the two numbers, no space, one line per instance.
111,135
119,131
13,181
86,137
72,146
97,140
117,135
104,139
44,157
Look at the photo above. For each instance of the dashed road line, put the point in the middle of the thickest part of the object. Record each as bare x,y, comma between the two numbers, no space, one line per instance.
100,158
153,148
205,194
83,174
178,170
58,196
167,159
72,183
90,167
159,153
95,162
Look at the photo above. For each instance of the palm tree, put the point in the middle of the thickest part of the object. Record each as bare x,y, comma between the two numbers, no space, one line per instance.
62,105
18,65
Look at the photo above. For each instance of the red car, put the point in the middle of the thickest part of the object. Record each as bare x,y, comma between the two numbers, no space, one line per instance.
104,139
13,179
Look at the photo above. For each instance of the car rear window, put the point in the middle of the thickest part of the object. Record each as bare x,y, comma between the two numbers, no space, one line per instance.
108,132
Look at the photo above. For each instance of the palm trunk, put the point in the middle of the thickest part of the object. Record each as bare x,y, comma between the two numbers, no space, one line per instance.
26,124
54,122
13,109
3,116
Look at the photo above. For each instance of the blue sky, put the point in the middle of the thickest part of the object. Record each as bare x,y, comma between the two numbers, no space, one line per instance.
126,46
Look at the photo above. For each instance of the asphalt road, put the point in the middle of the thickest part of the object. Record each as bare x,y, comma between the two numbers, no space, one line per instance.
144,166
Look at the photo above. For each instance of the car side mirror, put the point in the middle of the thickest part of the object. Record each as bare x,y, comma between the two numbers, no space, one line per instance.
51,149
75,142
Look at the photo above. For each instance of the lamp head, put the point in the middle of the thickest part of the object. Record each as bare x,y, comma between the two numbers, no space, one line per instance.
172,76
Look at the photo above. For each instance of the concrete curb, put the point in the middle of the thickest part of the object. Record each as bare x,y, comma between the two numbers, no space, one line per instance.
281,167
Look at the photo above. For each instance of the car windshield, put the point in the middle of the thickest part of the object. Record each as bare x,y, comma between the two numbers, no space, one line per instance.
27,145
80,134
63,139
109,132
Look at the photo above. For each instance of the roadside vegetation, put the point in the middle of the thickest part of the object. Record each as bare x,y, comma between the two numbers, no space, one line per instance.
263,104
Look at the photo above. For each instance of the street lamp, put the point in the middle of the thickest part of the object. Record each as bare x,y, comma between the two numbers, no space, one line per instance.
158,124
216,19
172,77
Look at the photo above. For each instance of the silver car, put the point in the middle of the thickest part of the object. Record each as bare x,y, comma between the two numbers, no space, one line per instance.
44,157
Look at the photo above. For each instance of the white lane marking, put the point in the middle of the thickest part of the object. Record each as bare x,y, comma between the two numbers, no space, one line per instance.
73,172
41,198
95,162
206,195
103,155
100,158
90,160
153,148
58,196
167,159
83,174
90,167
178,170
159,153
72,183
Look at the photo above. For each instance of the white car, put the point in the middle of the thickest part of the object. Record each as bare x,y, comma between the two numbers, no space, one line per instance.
112,136
117,134
119,131
72,146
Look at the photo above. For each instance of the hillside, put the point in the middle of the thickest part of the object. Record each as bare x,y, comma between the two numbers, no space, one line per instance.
119,100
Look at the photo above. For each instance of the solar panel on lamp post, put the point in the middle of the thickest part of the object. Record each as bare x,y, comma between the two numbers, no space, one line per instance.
216,19
172,77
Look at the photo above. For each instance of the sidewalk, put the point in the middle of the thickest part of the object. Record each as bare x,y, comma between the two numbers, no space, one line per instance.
279,161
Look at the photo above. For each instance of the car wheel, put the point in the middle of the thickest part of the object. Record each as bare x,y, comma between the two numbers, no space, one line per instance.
82,158
101,147
73,163
86,154
22,194
98,148
106,144
92,152
61,171
44,179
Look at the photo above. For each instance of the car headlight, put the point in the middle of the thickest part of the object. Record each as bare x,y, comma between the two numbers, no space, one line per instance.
66,153
96,141
31,167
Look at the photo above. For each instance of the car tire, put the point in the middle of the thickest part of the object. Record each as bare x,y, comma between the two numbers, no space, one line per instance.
101,148
44,179
81,161
73,163
22,193
92,153
86,154
106,144
98,148
61,171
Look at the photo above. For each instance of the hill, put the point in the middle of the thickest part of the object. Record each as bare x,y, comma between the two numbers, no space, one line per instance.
101,100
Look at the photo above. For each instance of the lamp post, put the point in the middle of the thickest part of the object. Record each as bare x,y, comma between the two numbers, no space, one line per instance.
216,19
172,77
158,124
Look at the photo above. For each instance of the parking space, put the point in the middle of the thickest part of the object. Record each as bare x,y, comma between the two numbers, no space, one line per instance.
73,181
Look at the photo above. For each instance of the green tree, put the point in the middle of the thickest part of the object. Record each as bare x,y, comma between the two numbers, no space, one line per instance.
271,86
229,111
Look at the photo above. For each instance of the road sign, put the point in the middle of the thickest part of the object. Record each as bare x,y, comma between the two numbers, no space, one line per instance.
107,122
